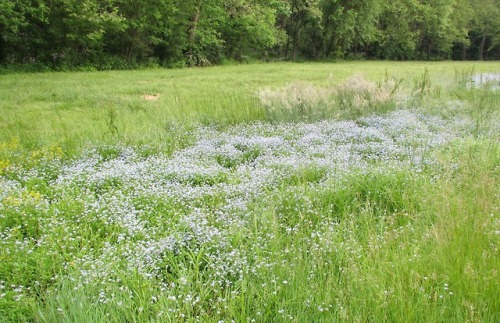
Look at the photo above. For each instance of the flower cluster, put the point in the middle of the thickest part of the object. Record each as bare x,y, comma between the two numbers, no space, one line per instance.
177,219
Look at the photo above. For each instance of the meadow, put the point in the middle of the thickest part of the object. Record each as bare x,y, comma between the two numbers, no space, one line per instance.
310,192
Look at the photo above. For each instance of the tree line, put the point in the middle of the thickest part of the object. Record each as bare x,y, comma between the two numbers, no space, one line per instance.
110,34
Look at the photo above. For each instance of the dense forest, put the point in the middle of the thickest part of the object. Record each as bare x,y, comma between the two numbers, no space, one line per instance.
112,34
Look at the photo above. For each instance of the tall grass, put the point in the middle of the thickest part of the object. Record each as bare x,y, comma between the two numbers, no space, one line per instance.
70,108
192,207
307,102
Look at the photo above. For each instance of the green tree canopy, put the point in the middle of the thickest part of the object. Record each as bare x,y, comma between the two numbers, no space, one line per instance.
124,33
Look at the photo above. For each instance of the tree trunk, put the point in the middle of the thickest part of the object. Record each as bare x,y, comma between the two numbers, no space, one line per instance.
193,24
296,42
329,45
296,38
287,47
481,48
292,34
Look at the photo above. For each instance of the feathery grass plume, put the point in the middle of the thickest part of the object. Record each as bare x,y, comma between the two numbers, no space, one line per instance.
297,101
359,96
309,102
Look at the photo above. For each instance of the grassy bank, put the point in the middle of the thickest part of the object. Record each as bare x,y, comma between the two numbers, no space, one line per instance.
280,192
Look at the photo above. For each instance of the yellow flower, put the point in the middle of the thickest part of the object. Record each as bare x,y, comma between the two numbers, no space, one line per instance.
55,151
3,165
14,143
12,201
35,154
35,195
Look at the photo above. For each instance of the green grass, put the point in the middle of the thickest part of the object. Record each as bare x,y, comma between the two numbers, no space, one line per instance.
201,206
70,108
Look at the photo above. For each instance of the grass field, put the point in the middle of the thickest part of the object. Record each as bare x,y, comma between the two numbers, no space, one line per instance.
353,191
70,108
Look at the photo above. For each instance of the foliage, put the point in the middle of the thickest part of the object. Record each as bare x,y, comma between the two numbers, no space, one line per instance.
485,26
118,34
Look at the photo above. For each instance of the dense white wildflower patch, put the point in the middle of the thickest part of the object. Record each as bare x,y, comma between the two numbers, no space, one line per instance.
159,217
